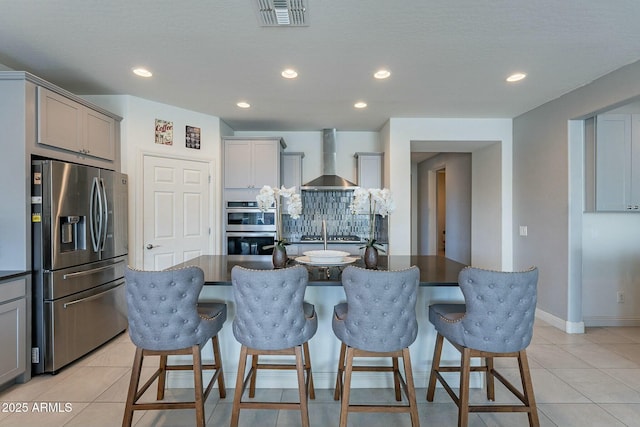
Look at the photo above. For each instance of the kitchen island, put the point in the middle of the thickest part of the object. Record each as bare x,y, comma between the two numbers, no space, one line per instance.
434,270
438,283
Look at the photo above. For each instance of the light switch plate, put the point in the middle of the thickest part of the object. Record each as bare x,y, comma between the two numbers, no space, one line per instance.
523,230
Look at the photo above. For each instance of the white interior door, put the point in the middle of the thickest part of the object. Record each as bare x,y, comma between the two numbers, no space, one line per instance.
177,221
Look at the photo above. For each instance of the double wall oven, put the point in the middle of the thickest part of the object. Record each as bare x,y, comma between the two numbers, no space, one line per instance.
248,229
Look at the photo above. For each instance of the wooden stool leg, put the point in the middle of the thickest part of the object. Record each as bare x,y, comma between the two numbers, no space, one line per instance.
491,391
163,377
235,412
465,370
217,361
133,388
302,388
396,378
346,388
197,385
339,376
411,391
527,387
307,368
252,385
435,366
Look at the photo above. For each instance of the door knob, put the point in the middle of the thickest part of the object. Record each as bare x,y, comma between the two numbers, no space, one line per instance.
149,246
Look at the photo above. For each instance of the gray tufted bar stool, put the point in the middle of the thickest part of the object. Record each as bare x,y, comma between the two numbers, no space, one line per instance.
272,319
378,320
165,319
495,321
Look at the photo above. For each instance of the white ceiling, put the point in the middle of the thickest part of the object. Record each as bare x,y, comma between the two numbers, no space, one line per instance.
448,58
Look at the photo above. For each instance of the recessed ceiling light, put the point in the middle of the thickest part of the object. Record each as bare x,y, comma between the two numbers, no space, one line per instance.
243,104
516,77
289,73
382,74
360,104
142,72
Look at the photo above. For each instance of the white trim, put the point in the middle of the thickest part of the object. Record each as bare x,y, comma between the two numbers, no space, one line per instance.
568,327
599,321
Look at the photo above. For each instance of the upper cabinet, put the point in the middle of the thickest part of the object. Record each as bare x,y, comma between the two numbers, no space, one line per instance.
67,124
370,166
251,163
291,167
617,160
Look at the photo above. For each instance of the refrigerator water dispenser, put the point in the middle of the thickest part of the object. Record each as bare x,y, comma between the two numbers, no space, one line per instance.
70,238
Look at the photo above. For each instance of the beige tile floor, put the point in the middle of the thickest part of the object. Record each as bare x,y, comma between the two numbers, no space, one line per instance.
592,379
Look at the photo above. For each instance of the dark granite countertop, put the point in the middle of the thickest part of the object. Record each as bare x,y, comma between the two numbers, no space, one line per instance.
434,270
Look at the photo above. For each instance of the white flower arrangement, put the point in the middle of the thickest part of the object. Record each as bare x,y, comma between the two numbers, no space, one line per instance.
372,202
272,197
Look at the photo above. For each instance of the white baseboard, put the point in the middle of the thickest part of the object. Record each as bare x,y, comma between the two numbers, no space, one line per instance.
599,321
564,325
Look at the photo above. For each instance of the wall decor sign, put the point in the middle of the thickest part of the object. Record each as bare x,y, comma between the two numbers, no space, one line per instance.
164,132
192,137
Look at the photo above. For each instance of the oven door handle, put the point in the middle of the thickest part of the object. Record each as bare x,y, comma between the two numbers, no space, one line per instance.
250,211
251,234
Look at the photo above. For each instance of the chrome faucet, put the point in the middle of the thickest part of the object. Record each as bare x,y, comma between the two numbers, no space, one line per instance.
324,233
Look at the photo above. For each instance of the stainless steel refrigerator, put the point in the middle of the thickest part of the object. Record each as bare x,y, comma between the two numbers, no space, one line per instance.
79,219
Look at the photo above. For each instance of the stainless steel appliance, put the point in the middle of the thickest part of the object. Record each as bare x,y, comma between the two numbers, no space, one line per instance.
79,218
329,180
248,229
249,243
246,216
330,238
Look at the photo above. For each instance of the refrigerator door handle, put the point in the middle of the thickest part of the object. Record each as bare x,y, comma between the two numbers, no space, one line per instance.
95,215
104,215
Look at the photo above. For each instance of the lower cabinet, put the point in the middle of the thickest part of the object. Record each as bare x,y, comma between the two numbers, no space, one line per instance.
13,328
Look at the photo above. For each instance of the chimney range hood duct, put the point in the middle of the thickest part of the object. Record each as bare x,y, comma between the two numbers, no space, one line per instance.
329,180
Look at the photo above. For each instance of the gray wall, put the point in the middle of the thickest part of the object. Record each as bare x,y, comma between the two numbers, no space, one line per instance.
541,184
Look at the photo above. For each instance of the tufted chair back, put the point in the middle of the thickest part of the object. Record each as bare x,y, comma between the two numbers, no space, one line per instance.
163,312
380,313
270,310
499,311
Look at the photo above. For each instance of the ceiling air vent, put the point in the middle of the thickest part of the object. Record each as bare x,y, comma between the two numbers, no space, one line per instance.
288,13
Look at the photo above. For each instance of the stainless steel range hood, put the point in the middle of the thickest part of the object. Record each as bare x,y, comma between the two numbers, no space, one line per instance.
329,180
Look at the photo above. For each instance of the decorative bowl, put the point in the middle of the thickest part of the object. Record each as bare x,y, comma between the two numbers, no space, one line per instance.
326,256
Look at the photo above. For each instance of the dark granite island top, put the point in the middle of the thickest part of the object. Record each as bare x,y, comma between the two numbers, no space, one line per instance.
434,270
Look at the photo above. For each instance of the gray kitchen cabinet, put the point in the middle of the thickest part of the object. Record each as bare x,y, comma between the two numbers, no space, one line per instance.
370,167
251,163
291,167
617,159
67,124
19,123
13,328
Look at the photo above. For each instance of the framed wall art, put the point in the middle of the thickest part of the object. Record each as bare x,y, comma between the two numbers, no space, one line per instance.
192,137
164,132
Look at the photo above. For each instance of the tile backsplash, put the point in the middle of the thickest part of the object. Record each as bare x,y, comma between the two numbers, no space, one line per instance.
332,206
